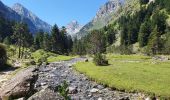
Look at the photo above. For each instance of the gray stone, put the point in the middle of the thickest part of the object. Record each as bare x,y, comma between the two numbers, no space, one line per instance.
148,98
43,84
100,98
94,90
21,84
86,60
100,87
46,94
72,90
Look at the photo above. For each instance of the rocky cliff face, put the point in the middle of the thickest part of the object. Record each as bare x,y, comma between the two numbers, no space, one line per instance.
103,16
109,7
73,27
23,12
19,13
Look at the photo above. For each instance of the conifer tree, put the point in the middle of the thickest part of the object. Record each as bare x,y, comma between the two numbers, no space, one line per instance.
144,33
154,42
55,36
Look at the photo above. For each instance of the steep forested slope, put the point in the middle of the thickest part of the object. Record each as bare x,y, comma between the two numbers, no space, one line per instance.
142,26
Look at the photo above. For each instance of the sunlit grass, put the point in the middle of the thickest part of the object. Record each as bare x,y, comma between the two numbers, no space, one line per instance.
59,58
131,73
51,57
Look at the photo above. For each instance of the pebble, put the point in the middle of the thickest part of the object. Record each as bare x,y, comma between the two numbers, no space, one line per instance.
100,99
94,90
72,90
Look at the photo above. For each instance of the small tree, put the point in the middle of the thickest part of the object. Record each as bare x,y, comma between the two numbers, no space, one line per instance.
100,60
97,41
144,33
154,44
3,55
7,40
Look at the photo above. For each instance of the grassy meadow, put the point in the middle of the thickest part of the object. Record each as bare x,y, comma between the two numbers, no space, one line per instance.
132,73
12,53
51,57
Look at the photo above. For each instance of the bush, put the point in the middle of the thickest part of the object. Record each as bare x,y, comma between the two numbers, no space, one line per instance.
32,62
3,55
42,60
63,90
100,60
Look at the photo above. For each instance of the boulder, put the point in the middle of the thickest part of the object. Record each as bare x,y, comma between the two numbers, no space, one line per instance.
46,94
72,90
86,60
21,85
148,98
161,58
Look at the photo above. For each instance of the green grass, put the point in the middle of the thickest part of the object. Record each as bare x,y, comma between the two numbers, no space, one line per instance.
51,57
59,58
131,73
41,53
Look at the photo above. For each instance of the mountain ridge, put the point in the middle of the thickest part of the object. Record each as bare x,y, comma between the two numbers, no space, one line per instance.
10,14
40,24
103,16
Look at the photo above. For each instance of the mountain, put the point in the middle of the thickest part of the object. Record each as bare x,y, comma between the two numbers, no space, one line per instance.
8,13
103,16
21,14
73,27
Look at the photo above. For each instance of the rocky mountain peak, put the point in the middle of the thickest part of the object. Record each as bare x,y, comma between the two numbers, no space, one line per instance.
108,7
104,15
73,27
25,13
21,10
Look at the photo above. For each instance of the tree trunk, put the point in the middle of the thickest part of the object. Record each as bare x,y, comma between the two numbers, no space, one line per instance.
19,52
22,52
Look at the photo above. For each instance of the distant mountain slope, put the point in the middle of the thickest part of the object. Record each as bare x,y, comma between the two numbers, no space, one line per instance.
19,13
103,16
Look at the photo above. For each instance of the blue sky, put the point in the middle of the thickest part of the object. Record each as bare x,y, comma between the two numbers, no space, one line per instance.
61,12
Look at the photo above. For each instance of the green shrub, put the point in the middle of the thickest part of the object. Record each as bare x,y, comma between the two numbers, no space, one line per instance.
32,62
63,90
100,60
3,55
42,60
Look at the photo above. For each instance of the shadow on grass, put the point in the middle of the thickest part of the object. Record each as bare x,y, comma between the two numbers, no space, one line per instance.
7,67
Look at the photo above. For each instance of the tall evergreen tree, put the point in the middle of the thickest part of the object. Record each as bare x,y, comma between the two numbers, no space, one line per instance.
19,35
55,36
154,44
144,33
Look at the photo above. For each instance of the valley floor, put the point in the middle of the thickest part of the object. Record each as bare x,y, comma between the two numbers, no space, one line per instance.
131,73
80,87
138,75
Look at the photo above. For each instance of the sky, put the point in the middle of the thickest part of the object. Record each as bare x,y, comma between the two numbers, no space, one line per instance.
61,12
